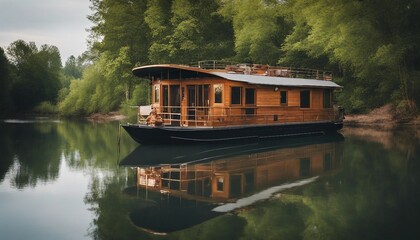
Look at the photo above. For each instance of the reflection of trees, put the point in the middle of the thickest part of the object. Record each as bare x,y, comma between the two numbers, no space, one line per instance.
6,149
31,152
111,209
376,196
36,149
275,220
93,145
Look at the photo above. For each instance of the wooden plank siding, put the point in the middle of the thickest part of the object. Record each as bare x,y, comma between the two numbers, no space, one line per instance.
267,107
268,97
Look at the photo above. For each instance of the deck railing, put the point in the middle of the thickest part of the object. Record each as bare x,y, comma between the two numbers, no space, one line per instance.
232,116
267,70
212,64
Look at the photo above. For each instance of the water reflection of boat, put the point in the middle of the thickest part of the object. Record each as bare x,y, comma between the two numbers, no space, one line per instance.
186,183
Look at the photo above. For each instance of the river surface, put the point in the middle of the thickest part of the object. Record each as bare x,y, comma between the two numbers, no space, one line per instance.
82,180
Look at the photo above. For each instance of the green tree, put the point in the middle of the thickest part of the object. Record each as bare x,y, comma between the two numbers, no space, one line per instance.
122,37
5,84
371,46
259,29
373,41
120,68
199,32
157,17
184,31
118,24
73,67
37,74
95,92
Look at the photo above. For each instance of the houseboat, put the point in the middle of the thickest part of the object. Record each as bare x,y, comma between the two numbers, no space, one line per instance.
218,102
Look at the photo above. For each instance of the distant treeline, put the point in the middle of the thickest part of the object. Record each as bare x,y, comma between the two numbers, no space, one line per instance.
371,46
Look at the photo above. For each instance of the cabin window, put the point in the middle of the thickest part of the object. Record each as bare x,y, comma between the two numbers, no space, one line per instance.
305,99
175,98
198,95
236,95
250,100
198,100
165,97
327,98
220,184
218,93
191,95
175,103
157,93
250,96
283,98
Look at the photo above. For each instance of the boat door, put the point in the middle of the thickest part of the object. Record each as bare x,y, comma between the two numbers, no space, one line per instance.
198,103
175,103
171,104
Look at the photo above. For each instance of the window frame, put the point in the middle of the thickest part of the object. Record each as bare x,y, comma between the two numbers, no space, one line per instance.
250,111
254,96
240,95
286,103
303,102
327,104
156,92
216,86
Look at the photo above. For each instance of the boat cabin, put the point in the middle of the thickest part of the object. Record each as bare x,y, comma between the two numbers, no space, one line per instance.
217,94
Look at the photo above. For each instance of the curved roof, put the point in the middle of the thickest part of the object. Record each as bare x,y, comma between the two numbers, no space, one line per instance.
174,71
170,71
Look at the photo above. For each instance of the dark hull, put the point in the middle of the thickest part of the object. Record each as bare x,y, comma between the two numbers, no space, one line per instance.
177,135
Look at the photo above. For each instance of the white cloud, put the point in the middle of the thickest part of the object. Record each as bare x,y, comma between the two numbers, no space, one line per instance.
61,23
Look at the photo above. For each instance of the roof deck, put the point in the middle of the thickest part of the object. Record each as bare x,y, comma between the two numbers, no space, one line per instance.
263,70
247,73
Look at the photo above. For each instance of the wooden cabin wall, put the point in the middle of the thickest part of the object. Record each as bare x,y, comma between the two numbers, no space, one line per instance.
267,103
293,96
317,98
266,96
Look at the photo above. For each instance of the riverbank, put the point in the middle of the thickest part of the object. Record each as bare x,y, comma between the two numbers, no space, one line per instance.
383,117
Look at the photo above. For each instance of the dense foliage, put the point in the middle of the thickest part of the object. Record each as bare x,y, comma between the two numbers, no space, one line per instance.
374,43
30,76
371,46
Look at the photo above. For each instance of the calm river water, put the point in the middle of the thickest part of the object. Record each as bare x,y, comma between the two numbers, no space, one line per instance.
72,180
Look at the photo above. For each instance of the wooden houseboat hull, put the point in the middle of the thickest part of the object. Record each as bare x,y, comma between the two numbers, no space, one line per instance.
148,135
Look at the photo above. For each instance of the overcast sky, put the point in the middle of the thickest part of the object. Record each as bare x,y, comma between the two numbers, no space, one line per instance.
61,23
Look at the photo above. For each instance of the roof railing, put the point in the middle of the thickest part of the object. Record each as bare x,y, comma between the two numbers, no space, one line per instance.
264,69
278,71
212,64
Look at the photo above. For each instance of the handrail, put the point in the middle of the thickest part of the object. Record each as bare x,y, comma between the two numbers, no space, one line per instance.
212,64
264,69
203,116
